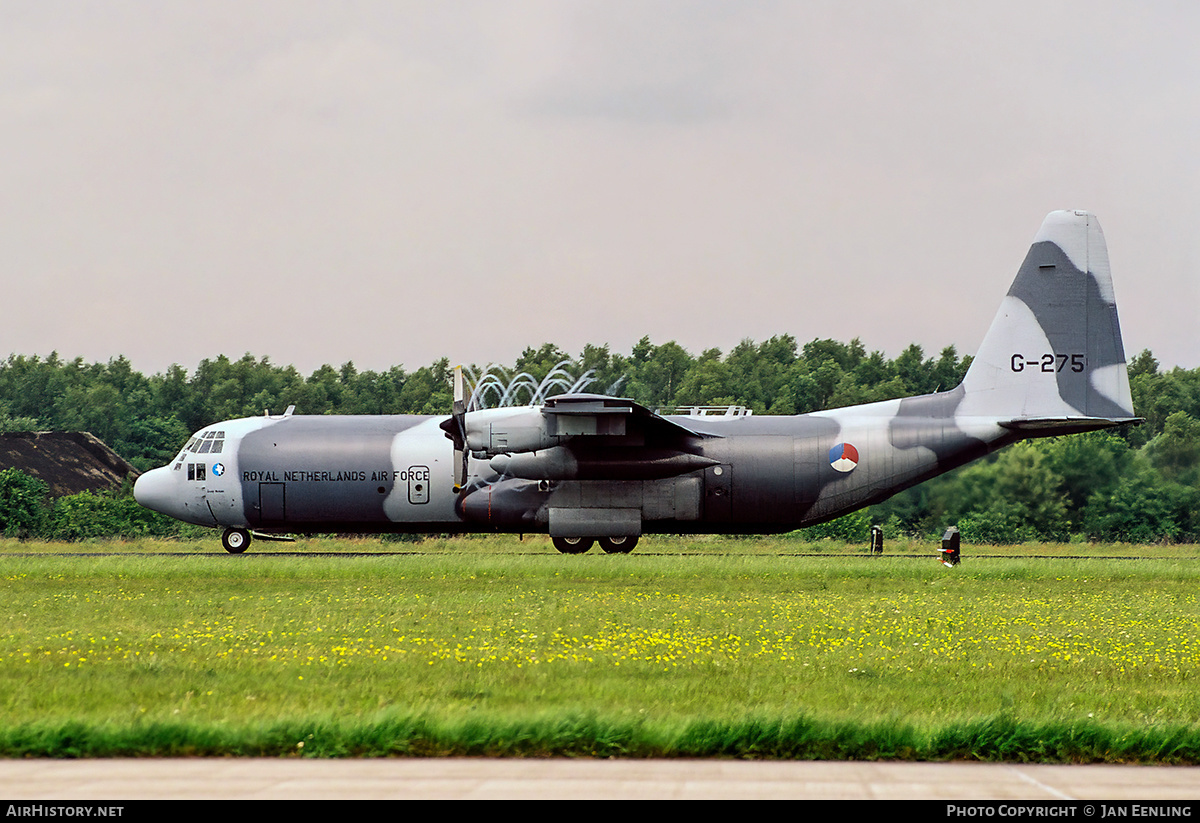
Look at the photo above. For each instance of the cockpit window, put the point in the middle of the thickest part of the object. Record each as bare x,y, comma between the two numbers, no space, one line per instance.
211,443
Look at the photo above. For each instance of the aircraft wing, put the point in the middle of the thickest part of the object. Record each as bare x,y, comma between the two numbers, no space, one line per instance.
583,436
597,407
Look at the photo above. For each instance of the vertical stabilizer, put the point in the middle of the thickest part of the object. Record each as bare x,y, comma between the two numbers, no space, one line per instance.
1054,349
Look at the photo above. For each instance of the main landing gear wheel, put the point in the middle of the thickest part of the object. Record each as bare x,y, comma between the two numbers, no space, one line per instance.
235,541
572,545
618,545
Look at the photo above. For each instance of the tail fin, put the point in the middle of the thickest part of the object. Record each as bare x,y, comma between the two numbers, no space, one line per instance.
1054,354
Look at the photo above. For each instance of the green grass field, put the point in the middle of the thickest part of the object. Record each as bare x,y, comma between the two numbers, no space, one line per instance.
696,647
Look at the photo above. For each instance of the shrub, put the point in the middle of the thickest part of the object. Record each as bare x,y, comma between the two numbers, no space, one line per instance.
87,515
22,503
852,528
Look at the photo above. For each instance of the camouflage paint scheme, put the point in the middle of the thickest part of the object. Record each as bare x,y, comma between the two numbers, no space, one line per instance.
588,466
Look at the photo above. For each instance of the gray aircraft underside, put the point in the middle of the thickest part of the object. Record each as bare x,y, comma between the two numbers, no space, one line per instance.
584,467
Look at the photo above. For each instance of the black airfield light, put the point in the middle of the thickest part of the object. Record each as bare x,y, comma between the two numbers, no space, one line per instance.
876,540
949,554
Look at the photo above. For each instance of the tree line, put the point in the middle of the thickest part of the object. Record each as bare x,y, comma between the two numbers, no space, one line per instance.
1136,484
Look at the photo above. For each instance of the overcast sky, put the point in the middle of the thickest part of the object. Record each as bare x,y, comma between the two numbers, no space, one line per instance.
392,182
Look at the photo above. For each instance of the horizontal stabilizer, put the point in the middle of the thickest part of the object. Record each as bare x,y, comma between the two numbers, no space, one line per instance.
1053,426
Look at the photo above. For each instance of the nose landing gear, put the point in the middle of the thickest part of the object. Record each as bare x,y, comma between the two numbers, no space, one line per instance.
235,541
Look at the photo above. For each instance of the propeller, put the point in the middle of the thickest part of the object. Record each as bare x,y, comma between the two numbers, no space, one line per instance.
456,430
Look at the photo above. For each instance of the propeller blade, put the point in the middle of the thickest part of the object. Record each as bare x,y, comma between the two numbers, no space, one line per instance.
460,430
460,391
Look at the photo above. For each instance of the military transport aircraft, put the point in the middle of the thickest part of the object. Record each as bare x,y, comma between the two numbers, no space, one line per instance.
589,468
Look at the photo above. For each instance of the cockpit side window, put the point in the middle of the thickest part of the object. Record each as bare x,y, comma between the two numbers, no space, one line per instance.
187,447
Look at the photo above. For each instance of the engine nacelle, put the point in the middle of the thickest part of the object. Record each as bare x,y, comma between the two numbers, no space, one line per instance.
531,428
614,463
508,504
497,431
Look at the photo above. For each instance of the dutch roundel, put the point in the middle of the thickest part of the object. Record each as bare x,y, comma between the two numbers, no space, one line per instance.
843,457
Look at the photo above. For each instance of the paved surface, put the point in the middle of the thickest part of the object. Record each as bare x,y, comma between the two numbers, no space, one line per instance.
229,778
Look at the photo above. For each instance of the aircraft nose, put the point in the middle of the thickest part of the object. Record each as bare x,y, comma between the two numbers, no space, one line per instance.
154,490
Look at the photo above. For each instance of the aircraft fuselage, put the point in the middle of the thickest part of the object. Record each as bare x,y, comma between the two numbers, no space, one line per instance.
395,473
